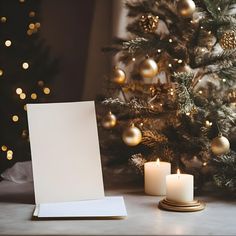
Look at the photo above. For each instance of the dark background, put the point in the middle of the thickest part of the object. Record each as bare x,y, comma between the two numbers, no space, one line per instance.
76,31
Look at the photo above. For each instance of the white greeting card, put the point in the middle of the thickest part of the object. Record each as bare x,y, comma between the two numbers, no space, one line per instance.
106,207
65,152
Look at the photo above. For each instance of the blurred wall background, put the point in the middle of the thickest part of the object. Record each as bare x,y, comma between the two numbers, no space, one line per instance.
76,31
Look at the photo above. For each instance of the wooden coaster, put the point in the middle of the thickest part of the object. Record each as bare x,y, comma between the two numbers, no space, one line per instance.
168,205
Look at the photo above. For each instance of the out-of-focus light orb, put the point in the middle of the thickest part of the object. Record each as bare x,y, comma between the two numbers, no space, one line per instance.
46,90
31,26
19,91
37,25
22,96
40,83
4,148
10,152
32,14
15,118
1,72
9,155
8,43
25,107
34,96
29,32
25,65
3,19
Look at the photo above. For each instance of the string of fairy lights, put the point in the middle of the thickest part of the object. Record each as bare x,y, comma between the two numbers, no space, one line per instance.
33,28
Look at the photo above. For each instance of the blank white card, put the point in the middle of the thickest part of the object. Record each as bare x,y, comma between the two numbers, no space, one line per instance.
65,152
106,207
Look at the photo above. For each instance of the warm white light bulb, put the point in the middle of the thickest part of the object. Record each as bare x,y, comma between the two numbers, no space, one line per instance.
25,65
8,43
19,91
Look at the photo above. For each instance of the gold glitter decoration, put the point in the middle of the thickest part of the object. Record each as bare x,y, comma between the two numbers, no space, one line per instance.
149,23
228,40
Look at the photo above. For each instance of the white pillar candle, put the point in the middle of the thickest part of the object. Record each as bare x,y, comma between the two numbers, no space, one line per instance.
179,187
155,173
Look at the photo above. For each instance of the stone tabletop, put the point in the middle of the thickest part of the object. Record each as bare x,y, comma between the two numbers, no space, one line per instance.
144,217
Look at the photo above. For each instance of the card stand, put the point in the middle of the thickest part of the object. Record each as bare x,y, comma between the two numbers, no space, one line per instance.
168,205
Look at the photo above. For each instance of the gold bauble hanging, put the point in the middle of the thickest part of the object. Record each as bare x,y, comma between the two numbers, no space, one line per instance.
186,7
228,40
118,76
109,121
132,136
148,68
149,23
220,145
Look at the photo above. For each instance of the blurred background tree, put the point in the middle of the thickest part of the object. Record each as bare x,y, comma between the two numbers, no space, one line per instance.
26,69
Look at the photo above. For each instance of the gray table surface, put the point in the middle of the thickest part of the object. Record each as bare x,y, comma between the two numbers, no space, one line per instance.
144,218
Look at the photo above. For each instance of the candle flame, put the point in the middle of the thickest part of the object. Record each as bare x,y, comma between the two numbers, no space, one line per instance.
158,161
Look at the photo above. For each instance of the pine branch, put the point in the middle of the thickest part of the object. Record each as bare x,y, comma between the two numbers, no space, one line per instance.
211,8
214,58
151,138
138,161
225,176
184,93
143,46
134,105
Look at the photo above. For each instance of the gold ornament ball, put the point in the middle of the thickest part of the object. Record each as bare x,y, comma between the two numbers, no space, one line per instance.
148,68
132,136
186,7
220,145
118,76
109,121
149,23
228,40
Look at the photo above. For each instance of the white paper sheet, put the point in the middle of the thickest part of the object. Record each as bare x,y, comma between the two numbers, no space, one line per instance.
106,207
65,152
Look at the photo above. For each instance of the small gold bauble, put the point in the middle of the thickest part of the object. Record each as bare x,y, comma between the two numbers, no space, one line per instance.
186,7
118,76
148,23
109,121
220,145
228,40
148,68
132,136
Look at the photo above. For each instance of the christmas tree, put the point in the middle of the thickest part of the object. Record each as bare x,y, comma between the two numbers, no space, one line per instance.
25,70
172,93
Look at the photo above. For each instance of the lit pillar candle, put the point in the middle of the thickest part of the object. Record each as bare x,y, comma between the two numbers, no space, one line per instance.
155,173
179,187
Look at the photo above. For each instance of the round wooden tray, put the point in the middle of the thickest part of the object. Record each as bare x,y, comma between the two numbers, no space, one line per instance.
168,205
